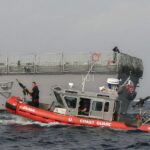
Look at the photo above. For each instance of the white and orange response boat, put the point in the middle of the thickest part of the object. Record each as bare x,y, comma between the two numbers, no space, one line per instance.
108,108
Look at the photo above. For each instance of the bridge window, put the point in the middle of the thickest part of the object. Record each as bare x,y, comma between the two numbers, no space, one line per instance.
97,106
71,101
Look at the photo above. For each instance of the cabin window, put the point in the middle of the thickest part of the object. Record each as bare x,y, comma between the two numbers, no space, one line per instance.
97,106
59,99
106,107
71,101
84,106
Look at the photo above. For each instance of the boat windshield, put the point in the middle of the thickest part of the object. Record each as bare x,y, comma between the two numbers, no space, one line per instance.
59,99
71,101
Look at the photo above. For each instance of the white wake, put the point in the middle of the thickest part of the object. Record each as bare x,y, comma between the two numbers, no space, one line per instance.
8,120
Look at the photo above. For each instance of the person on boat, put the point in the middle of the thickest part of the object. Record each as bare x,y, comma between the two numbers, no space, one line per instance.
35,95
84,107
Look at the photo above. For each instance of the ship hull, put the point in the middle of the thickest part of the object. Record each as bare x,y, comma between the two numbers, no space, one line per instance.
15,106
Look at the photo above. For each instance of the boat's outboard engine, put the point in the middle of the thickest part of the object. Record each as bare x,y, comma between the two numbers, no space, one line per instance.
11,104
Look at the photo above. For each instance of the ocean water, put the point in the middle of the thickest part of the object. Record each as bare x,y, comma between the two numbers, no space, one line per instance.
17,133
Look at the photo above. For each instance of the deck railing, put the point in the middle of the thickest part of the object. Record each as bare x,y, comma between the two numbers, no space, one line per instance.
59,62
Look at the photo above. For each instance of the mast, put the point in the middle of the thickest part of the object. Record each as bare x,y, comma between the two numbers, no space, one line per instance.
94,58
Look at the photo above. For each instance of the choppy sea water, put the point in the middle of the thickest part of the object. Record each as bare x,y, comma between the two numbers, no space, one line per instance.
17,133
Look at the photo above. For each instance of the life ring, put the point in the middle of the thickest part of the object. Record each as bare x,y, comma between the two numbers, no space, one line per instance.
96,57
109,62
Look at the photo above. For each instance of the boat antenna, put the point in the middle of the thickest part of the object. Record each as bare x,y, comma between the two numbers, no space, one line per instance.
94,58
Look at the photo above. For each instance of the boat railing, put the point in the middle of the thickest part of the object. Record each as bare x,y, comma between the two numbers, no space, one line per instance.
5,93
6,85
58,62
145,116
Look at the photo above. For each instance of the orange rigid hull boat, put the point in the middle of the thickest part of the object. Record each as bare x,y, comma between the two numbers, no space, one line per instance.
106,108
14,106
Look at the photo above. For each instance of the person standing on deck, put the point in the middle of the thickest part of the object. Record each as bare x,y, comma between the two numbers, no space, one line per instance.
35,95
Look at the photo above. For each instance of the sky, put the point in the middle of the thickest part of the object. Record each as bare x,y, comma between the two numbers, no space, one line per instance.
77,25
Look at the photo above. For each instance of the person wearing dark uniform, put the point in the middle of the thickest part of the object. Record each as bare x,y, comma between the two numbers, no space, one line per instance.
35,95
115,50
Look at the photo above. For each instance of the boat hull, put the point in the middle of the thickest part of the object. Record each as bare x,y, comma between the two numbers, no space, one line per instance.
15,106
